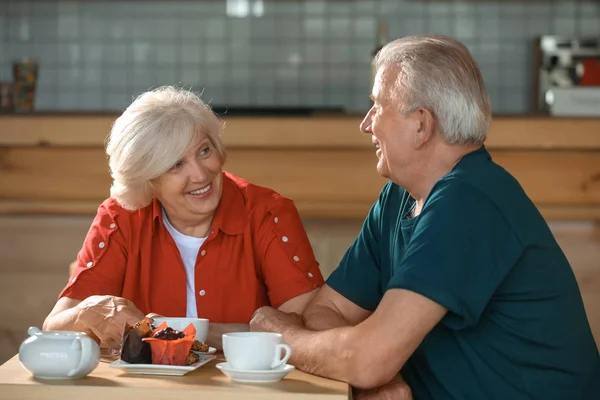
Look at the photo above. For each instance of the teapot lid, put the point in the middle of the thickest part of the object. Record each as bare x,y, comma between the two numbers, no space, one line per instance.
35,331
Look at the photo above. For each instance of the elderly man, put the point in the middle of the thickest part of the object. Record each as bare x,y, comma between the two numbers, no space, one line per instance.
455,280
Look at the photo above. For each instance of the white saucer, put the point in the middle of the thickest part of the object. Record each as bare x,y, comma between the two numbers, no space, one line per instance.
265,376
211,350
159,369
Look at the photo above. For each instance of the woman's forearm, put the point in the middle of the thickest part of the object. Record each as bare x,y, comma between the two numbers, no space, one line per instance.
65,320
216,331
64,316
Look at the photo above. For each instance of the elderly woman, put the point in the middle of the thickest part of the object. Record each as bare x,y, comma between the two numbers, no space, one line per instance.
179,236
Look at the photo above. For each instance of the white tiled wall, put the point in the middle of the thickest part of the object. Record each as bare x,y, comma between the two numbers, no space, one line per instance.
95,55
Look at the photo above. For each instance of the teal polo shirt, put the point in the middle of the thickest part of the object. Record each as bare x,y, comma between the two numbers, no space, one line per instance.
516,327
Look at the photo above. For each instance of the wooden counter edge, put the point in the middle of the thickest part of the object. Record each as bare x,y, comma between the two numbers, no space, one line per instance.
310,132
307,209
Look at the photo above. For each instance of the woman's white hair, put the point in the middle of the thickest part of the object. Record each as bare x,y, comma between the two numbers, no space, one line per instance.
439,74
151,136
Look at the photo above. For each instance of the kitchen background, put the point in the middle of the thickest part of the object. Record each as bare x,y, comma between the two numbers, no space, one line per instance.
96,55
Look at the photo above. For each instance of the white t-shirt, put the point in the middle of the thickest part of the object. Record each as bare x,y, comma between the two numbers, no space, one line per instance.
188,249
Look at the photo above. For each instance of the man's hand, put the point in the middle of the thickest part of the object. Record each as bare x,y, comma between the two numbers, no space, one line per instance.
396,389
268,319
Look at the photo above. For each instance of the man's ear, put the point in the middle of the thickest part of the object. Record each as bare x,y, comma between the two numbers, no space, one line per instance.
425,127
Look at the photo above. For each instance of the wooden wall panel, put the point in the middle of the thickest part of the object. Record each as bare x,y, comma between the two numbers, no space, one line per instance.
40,244
331,183
555,177
325,131
581,244
318,180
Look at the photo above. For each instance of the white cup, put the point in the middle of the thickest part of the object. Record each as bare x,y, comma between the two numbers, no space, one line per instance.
179,324
255,351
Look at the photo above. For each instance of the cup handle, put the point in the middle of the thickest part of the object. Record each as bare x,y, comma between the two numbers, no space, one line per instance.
278,361
85,344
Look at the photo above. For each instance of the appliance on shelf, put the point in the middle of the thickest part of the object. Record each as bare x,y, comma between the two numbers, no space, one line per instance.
568,76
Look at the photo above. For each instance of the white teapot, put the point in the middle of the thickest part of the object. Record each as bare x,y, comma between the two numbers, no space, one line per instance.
59,354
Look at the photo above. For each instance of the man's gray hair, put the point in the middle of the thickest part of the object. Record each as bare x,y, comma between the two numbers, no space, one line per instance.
439,74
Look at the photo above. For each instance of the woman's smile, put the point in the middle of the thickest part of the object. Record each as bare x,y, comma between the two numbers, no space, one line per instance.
201,193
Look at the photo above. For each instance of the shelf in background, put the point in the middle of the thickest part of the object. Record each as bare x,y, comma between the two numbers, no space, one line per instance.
303,132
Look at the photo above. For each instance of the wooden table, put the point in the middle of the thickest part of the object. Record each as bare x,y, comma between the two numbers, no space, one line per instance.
205,383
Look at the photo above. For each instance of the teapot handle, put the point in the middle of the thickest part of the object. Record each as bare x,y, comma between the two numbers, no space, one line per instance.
85,344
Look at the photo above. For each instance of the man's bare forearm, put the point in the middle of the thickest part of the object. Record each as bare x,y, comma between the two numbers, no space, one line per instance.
327,353
216,331
316,353
320,318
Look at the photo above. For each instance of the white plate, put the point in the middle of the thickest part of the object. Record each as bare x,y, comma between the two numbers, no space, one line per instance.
211,350
265,376
159,369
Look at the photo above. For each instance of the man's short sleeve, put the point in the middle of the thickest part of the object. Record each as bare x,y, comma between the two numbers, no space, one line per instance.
461,249
358,276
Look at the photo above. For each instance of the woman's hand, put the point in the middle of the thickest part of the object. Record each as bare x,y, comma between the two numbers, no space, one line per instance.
106,317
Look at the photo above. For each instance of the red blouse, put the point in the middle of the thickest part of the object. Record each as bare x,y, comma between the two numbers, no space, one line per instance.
257,254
